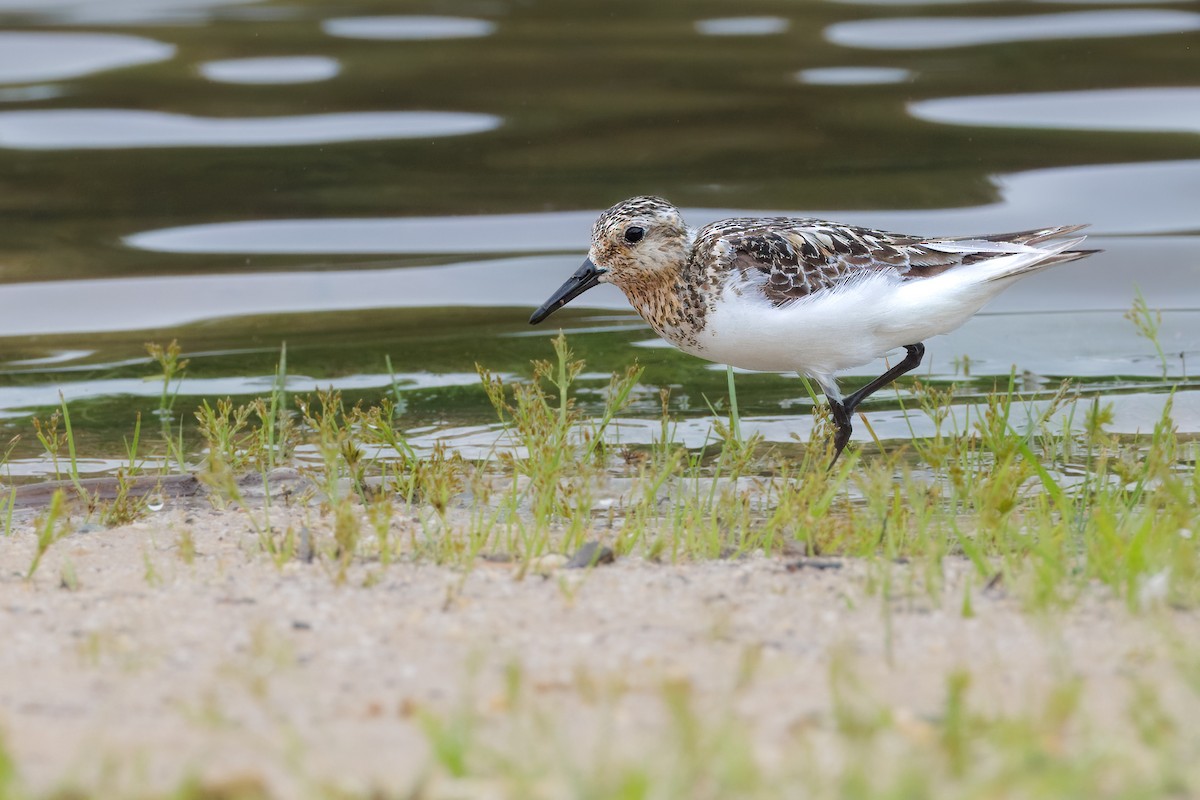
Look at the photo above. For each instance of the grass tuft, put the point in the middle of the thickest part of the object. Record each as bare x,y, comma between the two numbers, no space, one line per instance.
1031,489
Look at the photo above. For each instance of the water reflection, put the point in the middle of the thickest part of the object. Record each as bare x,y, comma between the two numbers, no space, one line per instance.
407,27
119,304
977,2
1170,280
483,233
47,395
1130,415
55,357
1166,109
742,26
107,129
1156,197
27,56
30,94
289,69
88,467
118,12
853,76
930,33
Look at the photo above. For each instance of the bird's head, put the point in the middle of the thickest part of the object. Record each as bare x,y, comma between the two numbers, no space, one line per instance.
632,243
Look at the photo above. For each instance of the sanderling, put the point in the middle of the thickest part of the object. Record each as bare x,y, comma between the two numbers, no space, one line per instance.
780,294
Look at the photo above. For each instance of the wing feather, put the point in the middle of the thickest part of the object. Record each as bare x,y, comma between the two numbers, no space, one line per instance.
784,259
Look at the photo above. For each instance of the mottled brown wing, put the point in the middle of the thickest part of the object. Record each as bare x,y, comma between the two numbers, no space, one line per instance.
788,259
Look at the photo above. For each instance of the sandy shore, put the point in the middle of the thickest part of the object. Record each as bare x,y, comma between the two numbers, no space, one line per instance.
129,664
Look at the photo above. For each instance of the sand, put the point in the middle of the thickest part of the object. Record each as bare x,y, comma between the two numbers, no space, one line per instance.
128,667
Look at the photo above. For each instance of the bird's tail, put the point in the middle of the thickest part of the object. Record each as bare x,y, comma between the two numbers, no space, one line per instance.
1011,255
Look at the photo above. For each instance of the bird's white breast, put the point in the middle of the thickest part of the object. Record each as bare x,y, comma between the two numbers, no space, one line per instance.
836,329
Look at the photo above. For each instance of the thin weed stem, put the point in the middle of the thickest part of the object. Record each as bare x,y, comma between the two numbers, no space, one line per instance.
735,421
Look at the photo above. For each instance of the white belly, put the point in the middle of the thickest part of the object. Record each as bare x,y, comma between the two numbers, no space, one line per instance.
836,330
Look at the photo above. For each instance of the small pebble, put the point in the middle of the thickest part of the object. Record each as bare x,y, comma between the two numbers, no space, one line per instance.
590,555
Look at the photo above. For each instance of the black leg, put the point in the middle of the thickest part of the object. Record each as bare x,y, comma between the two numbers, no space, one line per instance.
843,410
910,362
841,419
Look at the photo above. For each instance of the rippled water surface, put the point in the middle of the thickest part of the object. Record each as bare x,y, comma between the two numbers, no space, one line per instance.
386,181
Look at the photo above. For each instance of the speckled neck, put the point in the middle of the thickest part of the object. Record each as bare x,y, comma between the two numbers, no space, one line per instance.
670,302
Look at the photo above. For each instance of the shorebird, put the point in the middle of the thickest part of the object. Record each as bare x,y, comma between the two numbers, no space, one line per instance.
781,294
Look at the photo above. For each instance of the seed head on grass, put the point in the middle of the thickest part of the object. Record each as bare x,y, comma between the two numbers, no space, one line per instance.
172,367
1148,323
50,438
127,506
225,431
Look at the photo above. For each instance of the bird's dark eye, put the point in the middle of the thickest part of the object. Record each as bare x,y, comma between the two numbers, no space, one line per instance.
634,234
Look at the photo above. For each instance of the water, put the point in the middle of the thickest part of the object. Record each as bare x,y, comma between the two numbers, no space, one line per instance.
284,69
366,184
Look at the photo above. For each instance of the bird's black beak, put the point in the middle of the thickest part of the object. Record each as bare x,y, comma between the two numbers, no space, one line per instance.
584,278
